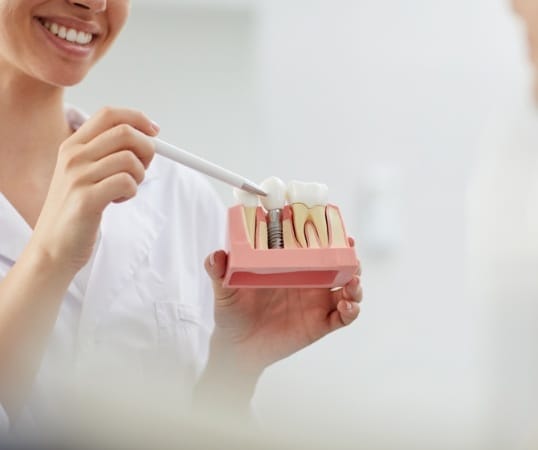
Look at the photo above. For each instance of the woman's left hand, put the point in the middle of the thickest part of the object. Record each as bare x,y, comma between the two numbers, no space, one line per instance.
257,327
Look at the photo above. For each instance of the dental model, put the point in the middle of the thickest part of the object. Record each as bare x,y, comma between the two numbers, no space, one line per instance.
299,244
274,203
308,202
250,205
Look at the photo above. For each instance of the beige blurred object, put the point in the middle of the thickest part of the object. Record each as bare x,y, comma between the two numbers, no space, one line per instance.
528,12
503,264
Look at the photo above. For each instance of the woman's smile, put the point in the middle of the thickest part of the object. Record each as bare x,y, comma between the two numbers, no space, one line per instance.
70,36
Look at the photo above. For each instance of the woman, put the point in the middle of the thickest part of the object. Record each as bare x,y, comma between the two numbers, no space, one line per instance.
102,245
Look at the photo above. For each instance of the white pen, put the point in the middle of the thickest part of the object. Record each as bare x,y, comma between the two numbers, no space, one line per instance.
201,165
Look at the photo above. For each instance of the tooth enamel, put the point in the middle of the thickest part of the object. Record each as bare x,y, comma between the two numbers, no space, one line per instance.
308,202
276,194
81,37
250,204
246,198
311,194
71,35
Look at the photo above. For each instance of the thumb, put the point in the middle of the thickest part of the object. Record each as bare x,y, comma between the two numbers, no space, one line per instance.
215,266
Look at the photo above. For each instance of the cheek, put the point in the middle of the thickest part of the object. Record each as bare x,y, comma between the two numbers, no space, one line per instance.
11,36
118,14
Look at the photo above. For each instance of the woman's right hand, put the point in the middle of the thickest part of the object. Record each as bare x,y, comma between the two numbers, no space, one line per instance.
104,161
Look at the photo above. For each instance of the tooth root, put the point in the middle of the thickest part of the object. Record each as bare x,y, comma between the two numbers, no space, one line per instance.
249,216
311,235
287,229
317,215
337,233
300,216
261,240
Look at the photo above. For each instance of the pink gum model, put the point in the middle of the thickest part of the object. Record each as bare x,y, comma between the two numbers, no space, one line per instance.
294,267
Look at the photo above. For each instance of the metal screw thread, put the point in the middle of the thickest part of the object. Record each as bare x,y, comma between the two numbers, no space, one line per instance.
274,229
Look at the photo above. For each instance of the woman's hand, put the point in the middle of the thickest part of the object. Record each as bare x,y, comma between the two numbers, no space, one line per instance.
257,327
104,161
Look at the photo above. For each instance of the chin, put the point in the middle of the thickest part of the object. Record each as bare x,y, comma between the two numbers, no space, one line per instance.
64,79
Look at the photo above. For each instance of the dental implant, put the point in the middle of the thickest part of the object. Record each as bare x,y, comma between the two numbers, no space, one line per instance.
274,203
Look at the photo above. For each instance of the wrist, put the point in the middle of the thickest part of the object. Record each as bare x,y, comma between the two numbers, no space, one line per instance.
48,263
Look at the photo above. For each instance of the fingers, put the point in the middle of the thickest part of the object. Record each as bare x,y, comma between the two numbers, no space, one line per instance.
353,290
121,137
347,312
215,265
347,302
110,147
123,161
116,188
108,118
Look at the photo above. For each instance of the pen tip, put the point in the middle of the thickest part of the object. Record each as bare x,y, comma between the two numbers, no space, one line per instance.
254,189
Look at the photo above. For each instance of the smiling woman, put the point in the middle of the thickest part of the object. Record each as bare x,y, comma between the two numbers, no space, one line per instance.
77,35
103,248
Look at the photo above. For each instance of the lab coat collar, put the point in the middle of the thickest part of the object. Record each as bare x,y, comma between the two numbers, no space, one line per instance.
14,226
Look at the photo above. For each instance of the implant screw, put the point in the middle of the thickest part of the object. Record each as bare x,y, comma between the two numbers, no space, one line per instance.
274,229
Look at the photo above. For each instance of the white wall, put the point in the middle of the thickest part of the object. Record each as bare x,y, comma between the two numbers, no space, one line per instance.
331,90
191,69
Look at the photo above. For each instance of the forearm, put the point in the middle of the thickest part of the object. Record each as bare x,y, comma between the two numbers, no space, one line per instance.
30,298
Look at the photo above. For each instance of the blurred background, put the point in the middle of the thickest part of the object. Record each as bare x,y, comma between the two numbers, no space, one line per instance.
386,101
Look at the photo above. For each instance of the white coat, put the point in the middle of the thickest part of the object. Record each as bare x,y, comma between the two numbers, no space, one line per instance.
144,321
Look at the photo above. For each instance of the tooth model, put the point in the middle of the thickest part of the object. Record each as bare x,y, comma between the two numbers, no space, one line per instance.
308,202
250,203
300,244
274,203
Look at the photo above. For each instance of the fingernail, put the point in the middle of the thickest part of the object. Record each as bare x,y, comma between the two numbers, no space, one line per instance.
351,289
349,306
212,259
156,127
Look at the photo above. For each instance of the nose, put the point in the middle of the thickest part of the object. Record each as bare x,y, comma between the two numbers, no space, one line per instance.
95,6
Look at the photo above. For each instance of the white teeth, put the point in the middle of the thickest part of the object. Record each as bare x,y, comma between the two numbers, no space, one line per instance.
311,194
69,34
82,38
246,198
276,194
